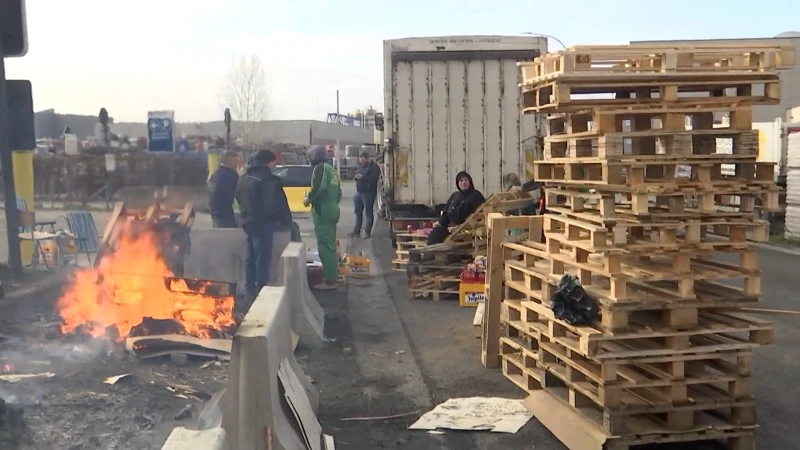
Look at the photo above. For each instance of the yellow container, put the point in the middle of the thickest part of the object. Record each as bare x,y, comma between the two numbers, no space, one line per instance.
342,277
358,266
471,294
49,253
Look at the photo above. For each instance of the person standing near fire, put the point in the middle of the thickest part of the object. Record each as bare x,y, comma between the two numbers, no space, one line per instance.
264,210
324,198
222,190
369,172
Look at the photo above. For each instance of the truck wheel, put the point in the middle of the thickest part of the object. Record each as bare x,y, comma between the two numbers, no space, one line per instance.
393,237
382,207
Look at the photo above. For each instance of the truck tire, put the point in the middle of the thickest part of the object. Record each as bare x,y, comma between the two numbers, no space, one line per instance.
393,237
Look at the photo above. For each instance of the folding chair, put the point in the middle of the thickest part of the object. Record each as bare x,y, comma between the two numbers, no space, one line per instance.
81,225
22,205
28,232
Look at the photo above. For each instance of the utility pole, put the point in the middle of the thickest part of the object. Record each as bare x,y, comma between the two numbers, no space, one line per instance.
13,42
10,193
338,142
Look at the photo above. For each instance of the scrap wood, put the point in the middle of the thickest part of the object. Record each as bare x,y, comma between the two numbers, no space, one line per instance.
770,311
393,416
166,344
13,378
113,380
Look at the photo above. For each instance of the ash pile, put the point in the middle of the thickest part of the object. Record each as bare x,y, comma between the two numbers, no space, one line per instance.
13,429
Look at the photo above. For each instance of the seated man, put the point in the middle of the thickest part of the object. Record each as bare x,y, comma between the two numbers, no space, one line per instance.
465,201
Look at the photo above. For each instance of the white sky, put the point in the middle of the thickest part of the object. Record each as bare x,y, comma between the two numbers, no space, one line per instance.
78,63
135,56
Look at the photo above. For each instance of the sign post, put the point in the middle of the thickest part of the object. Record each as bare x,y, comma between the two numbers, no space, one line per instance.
161,131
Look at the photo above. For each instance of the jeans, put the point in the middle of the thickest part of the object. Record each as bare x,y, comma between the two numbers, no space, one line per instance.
364,204
258,259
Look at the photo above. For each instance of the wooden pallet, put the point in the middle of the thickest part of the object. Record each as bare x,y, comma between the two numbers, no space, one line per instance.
636,235
673,390
582,428
671,203
669,173
640,60
565,95
613,273
436,284
405,243
714,332
648,300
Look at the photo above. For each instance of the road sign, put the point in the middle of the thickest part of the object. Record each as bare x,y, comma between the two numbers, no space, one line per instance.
161,131
22,135
13,28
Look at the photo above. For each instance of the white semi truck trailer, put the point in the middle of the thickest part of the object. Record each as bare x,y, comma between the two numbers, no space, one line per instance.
453,103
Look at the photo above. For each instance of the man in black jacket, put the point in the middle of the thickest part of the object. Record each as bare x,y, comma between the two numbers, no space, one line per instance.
366,191
464,201
221,191
264,210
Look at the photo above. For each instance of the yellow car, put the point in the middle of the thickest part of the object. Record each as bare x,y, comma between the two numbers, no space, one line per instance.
296,185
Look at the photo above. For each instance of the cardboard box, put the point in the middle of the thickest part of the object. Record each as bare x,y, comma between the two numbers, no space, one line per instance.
471,294
342,276
358,266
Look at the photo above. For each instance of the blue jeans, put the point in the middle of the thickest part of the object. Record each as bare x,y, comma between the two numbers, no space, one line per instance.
364,204
258,259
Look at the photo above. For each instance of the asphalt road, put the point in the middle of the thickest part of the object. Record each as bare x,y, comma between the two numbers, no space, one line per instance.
388,355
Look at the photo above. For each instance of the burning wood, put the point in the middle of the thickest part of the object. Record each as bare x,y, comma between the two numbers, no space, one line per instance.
133,292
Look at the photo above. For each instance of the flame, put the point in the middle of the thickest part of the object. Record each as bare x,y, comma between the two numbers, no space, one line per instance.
129,285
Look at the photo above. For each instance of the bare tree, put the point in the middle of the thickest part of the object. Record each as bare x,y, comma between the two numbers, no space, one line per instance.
244,91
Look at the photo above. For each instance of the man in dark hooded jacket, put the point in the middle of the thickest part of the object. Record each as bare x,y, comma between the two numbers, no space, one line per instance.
459,206
264,210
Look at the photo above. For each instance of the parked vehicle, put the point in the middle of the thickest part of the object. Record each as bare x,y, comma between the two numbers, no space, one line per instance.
451,104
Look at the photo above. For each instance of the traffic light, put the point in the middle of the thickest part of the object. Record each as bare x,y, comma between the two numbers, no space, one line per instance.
13,28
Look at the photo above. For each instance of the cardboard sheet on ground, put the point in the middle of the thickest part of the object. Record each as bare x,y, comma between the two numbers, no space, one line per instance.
499,415
298,401
165,344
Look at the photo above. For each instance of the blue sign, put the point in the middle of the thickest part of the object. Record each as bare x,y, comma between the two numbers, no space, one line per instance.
160,137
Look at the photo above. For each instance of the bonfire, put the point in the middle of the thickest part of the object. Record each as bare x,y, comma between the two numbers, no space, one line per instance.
132,286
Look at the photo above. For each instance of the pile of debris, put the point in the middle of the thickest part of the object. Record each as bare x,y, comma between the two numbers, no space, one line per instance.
13,430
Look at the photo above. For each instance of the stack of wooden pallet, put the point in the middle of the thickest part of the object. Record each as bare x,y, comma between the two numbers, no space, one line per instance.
638,181
434,271
405,243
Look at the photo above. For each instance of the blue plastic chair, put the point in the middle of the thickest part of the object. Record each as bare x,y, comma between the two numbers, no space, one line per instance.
81,225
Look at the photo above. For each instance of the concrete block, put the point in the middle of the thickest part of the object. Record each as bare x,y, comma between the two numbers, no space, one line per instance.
183,439
308,317
218,254
254,409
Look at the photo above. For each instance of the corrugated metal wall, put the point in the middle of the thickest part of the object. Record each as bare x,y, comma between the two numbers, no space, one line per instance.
792,228
457,115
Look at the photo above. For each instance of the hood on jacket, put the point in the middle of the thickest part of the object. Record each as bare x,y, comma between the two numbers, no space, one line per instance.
257,170
464,174
317,154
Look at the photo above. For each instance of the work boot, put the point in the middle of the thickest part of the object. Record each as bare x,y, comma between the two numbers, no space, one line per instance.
367,235
327,286
354,234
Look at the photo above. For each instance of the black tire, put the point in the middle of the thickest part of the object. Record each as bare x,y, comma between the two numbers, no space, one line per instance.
393,238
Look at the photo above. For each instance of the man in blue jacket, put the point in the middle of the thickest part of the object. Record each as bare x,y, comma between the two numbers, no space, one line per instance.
367,178
222,189
264,210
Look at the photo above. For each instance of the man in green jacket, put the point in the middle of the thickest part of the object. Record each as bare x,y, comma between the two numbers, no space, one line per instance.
324,197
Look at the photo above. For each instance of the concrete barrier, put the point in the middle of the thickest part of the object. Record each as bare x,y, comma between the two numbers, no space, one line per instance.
308,317
256,407
218,254
184,439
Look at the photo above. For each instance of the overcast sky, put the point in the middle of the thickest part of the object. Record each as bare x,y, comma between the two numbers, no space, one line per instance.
135,56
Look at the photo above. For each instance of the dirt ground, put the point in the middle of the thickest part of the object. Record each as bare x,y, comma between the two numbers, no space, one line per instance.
74,409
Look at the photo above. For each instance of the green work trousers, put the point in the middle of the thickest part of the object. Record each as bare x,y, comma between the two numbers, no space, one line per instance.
325,231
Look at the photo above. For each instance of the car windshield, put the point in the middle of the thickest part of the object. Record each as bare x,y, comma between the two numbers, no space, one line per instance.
294,176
